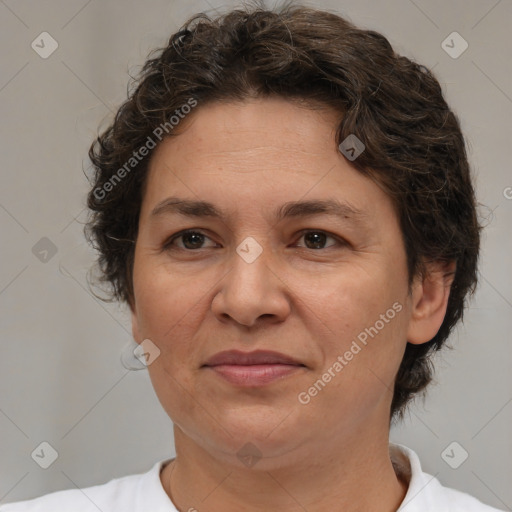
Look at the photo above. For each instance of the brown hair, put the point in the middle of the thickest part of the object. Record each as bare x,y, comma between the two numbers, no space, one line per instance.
414,147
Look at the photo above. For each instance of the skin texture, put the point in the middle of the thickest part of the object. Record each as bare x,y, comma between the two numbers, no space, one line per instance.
305,300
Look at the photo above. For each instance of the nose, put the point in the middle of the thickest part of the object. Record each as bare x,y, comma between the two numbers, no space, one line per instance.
252,292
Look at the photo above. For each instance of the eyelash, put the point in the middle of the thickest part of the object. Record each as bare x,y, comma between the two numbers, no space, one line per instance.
168,244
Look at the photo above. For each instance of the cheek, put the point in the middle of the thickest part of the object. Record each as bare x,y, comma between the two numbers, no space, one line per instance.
354,299
164,301
169,313
365,314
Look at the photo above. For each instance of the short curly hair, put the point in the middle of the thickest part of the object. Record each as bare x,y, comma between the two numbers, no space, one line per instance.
414,148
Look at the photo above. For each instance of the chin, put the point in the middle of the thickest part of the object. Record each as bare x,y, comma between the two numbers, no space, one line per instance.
271,432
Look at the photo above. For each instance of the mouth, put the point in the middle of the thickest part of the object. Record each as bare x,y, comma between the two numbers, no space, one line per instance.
252,369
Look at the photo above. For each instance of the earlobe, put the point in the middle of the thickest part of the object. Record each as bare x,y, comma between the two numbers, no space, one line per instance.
430,301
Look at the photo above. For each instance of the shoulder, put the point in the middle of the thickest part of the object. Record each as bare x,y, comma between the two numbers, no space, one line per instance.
460,501
120,494
425,492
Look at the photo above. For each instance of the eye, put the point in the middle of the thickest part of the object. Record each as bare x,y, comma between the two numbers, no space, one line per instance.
318,238
194,239
191,239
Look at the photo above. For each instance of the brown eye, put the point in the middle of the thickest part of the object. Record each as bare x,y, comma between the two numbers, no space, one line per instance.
191,240
317,239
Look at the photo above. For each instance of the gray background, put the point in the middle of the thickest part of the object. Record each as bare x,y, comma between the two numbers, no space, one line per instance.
60,373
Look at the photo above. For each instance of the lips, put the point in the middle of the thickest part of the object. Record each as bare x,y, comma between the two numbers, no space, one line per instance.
258,357
252,369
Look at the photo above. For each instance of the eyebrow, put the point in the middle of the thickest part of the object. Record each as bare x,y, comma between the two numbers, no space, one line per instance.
292,209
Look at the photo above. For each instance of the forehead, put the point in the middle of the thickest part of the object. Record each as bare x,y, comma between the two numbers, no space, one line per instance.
254,129
264,152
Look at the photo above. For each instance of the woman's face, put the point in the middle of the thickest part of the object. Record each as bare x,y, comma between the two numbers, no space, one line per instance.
311,286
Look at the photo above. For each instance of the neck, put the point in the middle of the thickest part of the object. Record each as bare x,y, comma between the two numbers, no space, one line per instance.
355,477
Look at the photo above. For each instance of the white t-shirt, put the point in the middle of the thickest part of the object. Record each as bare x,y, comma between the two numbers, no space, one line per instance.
144,493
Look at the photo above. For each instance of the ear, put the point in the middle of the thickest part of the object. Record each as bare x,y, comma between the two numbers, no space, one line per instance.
429,301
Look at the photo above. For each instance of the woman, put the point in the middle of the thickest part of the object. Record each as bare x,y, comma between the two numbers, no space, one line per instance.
286,206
